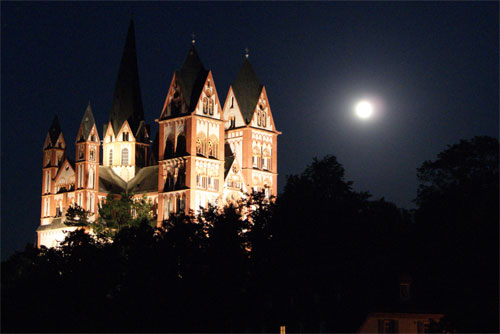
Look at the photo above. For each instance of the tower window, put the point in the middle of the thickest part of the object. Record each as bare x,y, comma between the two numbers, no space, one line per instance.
232,102
125,156
125,136
110,157
210,106
205,105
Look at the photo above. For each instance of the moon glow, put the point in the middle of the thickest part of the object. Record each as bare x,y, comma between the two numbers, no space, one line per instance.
364,109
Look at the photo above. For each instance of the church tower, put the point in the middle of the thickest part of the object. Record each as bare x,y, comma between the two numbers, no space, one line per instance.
250,131
191,141
54,151
126,136
87,163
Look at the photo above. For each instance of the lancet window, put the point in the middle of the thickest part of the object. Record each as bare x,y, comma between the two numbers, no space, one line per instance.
125,156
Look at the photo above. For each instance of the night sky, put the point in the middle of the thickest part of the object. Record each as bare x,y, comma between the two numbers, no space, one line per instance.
430,67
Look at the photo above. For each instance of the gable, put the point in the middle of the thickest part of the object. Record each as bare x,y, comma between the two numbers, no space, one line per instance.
232,113
65,175
208,103
234,177
262,117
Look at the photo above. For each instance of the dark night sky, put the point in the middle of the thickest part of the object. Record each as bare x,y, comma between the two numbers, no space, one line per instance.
431,66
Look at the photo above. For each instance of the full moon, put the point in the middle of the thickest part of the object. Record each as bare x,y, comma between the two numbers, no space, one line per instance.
364,109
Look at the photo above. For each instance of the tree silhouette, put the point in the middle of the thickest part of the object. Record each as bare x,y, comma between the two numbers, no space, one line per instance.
457,221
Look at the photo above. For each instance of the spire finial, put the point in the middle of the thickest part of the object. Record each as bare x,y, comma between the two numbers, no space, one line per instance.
246,52
192,38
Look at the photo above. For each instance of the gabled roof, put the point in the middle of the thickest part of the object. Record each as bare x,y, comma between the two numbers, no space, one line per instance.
228,159
109,182
87,123
145,181
191,78
54,131
127,101
247,90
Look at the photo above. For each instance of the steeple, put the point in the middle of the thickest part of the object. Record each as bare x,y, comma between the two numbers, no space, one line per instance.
54,131
247,89
127,102
87,123
192,76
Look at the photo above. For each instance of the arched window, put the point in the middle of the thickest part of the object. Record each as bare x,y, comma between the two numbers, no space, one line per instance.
110,157
125,156
210,149
91,179
211,106
263,121
47,182
255,157
181,145
266,159
205,105
201,144
80,176
212,146
169,147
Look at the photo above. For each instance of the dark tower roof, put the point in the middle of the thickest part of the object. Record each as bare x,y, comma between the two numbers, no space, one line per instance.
192,76
247,89
87,122
127,102
54,131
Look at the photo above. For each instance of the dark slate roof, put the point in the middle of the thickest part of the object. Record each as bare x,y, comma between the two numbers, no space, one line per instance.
127,102
228,159
146,180
192,76
55,224
247,89
109,182
54,131
88,122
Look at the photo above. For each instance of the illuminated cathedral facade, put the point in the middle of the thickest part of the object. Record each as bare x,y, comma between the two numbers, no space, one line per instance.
204,152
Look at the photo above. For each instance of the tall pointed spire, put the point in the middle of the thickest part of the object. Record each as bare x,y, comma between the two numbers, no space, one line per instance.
87,123
54,131
247,88
192,76
127,101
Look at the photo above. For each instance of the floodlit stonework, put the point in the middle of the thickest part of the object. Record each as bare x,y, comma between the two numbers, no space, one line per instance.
205,151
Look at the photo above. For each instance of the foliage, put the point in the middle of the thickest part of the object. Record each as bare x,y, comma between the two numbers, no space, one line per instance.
457,222
122,211
77,216
316,258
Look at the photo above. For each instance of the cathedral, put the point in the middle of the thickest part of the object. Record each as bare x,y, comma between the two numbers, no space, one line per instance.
204,152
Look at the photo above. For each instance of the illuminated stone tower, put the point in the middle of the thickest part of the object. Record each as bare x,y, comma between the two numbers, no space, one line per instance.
191,141
251,133
54,151
126,136
87,163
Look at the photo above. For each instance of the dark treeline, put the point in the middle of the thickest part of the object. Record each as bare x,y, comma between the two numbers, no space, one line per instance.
317,259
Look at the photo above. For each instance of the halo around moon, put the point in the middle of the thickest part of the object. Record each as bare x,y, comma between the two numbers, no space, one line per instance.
364,109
